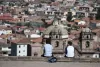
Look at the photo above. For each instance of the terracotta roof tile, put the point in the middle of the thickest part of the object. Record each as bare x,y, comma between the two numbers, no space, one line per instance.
27,40
24,40
96,30
6,36
5,18
39,40
5,28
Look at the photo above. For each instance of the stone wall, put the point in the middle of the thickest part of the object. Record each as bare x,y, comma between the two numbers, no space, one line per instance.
29,58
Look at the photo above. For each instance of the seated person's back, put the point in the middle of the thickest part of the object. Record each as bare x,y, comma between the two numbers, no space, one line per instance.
70,50
48,49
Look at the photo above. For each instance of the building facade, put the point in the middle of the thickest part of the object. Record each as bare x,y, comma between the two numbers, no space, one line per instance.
20,50
57,36
87,49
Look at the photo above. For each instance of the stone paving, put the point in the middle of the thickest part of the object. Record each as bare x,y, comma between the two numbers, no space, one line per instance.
46,64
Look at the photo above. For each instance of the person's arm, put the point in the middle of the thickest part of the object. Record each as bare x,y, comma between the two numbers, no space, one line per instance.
66,50
43,51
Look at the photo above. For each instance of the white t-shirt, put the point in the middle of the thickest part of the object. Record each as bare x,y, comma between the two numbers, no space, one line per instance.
48,50
70,51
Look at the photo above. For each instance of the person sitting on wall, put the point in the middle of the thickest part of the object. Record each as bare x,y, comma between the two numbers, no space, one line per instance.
69,51
47,49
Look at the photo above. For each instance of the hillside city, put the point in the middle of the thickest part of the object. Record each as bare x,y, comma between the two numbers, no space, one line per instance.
25,25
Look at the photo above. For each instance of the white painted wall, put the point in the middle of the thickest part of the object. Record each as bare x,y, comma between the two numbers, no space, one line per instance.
64,36
95,56
98,24
70,2
21,50
46,36
5,49
5,31
31,8
2,32
29,0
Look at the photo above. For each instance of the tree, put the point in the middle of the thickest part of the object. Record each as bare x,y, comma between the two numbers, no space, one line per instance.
19,24
98,14
40,5
45,23
28,24
1,2
11,4
69,17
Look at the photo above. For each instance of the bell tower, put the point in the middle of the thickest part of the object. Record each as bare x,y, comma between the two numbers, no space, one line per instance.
57,35
56,40
87,42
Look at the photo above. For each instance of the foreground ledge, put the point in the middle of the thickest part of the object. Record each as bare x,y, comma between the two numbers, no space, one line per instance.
15,58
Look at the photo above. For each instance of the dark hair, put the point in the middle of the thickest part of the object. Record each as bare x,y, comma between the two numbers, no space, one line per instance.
69,42
47,41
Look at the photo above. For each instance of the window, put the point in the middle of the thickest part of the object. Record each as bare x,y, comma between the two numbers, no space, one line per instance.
87,44
9,47
19,46
8,41
4,52
10,32
56,36
87,36
57,44
19,51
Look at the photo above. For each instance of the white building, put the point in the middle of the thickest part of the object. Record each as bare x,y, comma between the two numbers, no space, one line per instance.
6,51
29,0
31,9
5,30
34,36
81,23
2,32
59,0
21,50
69,2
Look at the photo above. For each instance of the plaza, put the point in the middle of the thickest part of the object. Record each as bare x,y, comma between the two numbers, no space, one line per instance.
46,64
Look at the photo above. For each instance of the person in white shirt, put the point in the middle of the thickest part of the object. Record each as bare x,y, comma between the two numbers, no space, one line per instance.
48,49
69,50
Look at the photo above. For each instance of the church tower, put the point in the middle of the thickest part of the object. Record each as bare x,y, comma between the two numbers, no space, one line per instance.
87,42
57,36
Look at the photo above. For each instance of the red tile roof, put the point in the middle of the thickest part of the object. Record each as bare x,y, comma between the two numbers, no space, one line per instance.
6,36
96,30
5,18
5,28
39,40
41,29
27,40
24,40
7,14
